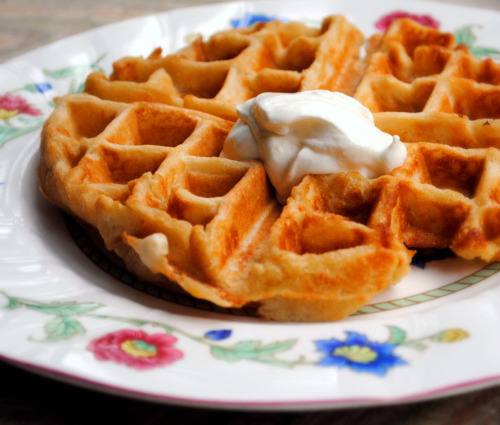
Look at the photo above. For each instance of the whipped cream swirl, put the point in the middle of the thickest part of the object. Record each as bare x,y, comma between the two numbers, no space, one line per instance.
311,132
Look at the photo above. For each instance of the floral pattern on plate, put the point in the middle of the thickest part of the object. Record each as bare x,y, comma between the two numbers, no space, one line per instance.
140,350
18,116
127,346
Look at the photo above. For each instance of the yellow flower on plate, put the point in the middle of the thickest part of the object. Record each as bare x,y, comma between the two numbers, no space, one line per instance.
451,335
4,113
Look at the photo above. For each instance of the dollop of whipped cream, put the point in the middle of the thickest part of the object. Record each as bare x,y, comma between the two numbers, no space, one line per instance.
311,132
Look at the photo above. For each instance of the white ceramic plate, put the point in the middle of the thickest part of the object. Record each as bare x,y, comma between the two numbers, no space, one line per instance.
65,313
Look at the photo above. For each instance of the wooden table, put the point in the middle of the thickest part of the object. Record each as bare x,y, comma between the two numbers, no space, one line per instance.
26,398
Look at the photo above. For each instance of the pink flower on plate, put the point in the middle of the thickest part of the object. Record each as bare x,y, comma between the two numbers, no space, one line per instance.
136,349
385,21
11,105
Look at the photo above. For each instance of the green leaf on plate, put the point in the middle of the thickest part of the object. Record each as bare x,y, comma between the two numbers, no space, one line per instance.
251,350
397,335
414,344
464,35
13,304
62,328
482,52
65,309
9,133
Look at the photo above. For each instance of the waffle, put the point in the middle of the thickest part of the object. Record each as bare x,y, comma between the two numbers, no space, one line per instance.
137,159
148,178
422,86
235,65
441,197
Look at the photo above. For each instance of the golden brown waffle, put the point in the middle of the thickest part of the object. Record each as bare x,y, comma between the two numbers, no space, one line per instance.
146,168
236,65
423,87
149,179
323,262
141,165
441,197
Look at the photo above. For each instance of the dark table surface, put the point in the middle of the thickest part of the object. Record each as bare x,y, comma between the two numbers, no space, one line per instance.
27,398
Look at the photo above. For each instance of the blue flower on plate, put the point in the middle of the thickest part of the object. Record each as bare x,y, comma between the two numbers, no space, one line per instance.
359,353
43,87
38,87
250,19
218,334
